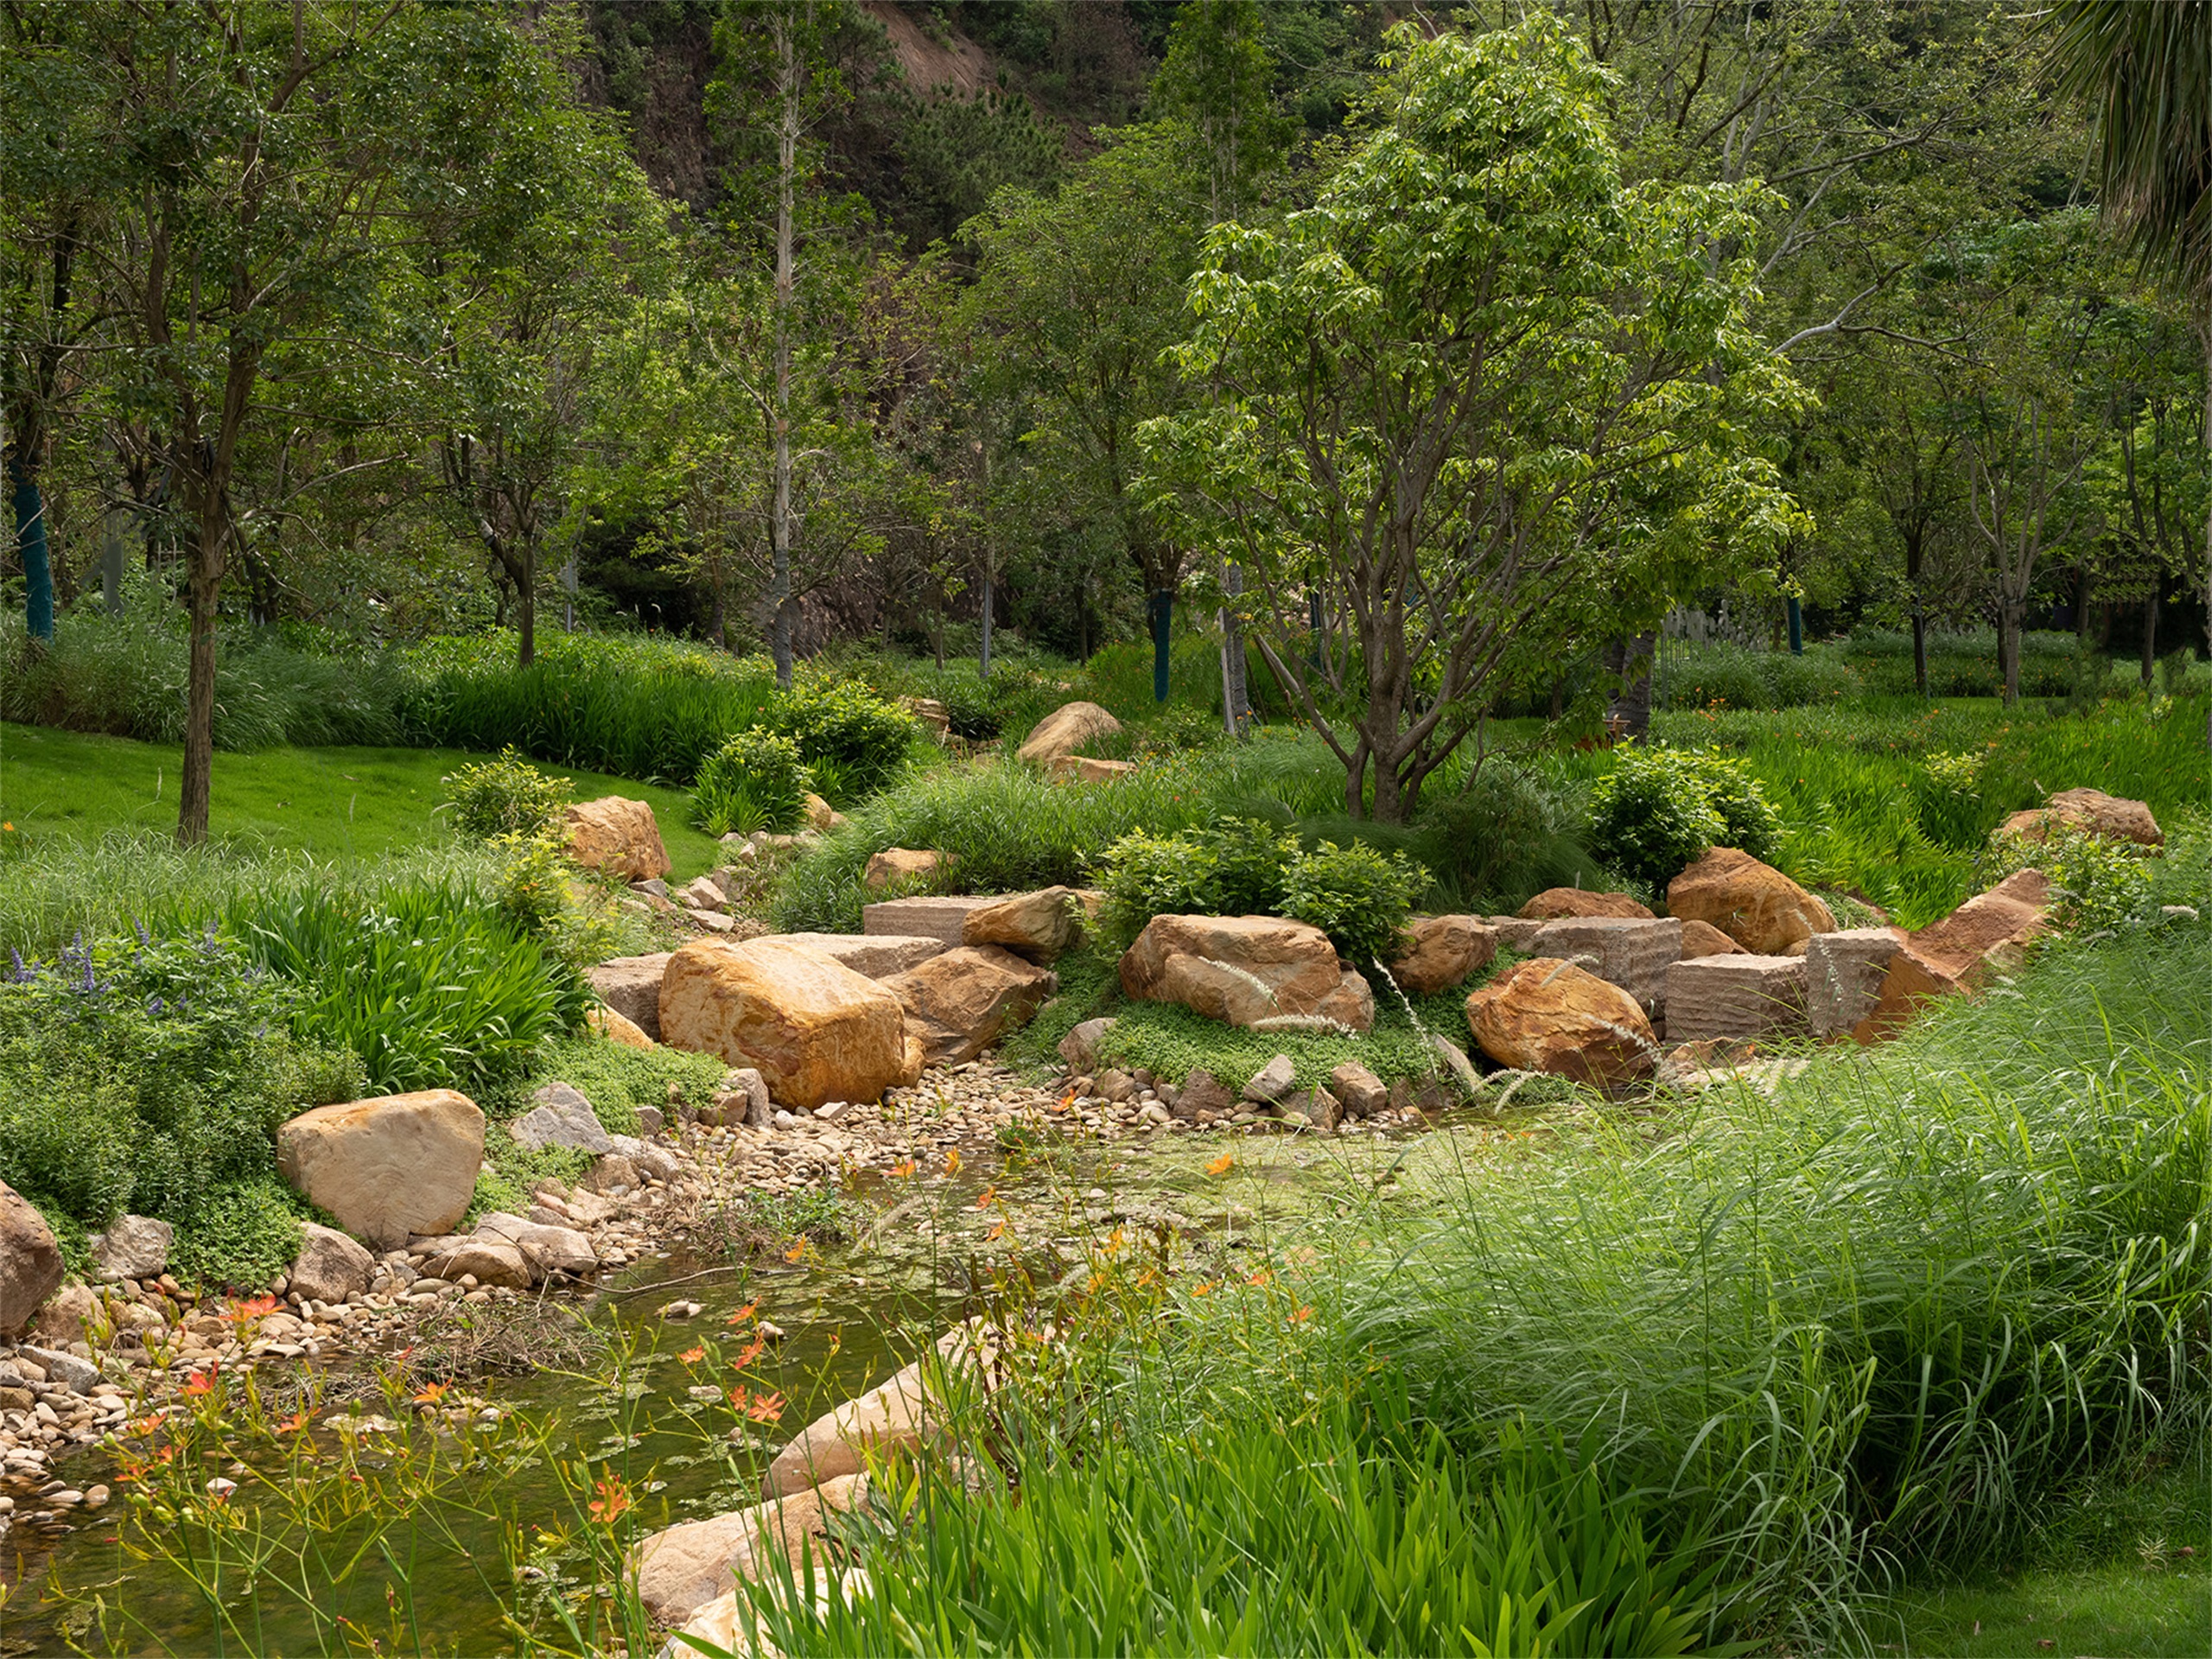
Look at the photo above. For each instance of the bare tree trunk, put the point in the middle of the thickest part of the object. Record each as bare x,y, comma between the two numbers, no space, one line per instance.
202,586
779,530
2150,632
526,585
1236,700
2008,647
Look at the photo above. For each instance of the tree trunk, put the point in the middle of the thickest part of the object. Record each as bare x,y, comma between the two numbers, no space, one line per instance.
1236,701
527,598
779,531
1914,552
991,601
2150,632
30,542
2008,616
1630,715
202,586
1160,608
113,555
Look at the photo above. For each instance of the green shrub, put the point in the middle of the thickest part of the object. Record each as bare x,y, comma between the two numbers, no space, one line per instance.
618,1080
504,797
2094,883
1233,866
844,726
1356,895
239,1236
143,1074
1652,816
754,781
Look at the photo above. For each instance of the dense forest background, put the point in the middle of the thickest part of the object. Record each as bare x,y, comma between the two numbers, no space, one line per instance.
781,323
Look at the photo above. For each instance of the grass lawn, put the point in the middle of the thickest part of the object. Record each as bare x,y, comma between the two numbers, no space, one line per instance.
331,803
2123,1610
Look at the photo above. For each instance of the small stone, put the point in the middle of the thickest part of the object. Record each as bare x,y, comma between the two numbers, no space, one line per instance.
1273,1081
681,1310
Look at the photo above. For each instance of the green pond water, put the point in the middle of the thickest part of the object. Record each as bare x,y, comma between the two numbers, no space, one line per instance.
920,1258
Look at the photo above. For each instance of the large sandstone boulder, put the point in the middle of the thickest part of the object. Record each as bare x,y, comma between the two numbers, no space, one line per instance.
959,1001
912,1409
133,1247
619,837
680,1569
815,1031
894,865
1623,950
1440,952
390,1168
620,1030
1735,996
1844,973
330,1267
875,956
1063,731
1553,902
1549,1015
631,986
1704,940
1988,934
30,1261
1039,925
1754,904
2091,811
1245,971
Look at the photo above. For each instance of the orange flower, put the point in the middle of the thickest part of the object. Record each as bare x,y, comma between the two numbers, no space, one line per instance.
202,1383
692,1355
952,1161
431,1393
750,1352
902,1169
1204,1288
1221,1165
796,1251
1300,1315
1263,1276
760,1408
293,1424
997,1232
243,1313
990,1196
743,1313
612,1501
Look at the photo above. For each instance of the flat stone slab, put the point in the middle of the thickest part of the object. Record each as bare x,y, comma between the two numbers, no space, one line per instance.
1735,996
1844,973
1633,954
1516,932
937,917
877,955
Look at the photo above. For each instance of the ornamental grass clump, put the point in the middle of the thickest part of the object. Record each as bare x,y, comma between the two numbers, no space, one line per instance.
755,781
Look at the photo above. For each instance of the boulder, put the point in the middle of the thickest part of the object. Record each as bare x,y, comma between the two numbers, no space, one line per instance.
731,1623
931,714
1754,904
681,1568
1622,950
562,1117
1735,997
1516,932
909,1411
1553,902
74,1371
550,1247
631,986
618,1028
1271,1081
1459,1073
942,917
30,1261
821,816
1988,934
1082,769
959,1001
1063,731
817,1032
1079,1048
743,1099
1360,1089
1203,1098
1039,925
1440,952
1549,1015
1844,972
1245,971
490,1259
875,956
712,921
2090,812
63,1319
895,865
1992,930
1698,1065
390,1168
133,1247
1320,1108
703,893
330,1267
619,837
1704,940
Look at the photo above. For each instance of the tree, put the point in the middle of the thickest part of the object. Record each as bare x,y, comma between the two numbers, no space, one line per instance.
1078,293
2145,72
1483,394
